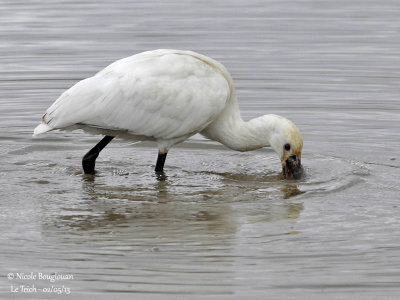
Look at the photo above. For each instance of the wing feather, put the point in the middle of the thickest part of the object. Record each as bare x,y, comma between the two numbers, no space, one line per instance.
163,96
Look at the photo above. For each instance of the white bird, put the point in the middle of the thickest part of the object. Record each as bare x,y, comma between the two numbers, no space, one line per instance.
167,96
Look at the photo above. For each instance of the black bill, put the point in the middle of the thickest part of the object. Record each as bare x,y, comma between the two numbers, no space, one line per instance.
293,168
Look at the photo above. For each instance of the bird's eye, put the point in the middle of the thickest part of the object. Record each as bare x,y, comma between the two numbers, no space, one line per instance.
287,147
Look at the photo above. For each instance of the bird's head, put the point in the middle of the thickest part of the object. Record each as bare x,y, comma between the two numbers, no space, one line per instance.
288,144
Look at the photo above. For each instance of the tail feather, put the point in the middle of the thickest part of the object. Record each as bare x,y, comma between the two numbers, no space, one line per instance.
42,128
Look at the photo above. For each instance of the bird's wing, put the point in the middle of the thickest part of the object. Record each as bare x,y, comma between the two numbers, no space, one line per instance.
165,97
80,102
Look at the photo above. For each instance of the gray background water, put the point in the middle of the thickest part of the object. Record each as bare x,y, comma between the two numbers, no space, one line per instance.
222,224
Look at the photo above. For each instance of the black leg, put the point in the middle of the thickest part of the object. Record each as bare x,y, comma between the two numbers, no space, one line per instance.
160,162
89,160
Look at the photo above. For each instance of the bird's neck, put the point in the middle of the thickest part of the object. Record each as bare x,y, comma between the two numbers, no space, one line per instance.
230,129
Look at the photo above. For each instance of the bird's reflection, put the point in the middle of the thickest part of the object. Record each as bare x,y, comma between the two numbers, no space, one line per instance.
161,176
158,201
290,190
88,177
161,186
170,201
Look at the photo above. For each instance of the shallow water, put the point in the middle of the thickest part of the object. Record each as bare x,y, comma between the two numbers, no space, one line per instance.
221,224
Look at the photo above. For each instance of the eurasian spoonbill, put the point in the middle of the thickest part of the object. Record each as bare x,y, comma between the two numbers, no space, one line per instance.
167,96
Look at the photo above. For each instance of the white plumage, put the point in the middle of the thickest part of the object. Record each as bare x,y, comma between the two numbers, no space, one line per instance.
162,95
166,96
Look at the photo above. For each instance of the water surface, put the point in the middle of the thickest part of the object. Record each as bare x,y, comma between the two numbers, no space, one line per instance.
221,224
